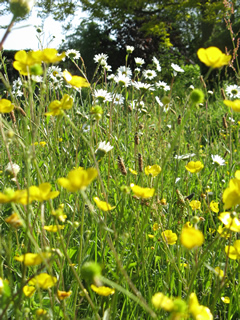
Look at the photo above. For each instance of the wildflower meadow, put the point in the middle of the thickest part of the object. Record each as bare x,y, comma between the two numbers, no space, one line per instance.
120,194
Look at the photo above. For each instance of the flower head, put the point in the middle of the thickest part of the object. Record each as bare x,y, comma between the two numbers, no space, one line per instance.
233,91
101,58
230,221
194,167
129,49
6,106
149,74
24,60
33,259
198,311
231,195
235,105
56,107
214,206
53,228
142,192
169,237
157,64
102,205
213,57
233,252
73,54
153,170
103,291
75,81
191,238
29,291
176,67
63,294
14,220
160,301
139,61
195,205
50,55
43,281
218,160
78,179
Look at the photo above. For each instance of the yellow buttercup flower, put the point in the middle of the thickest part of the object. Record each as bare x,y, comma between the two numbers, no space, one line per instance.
195,205
194,167
63,294
102,205
142,192
160,301
41,312
225,299
230,221
169,237
231,195
78,179
103,291
219,272
43,281
14,220
233,252
198,311
49,55
153,170
156,226
56,107
132,171
224,232
214,206
213,57
6,106
42,192
33,259
191,238
75,81
29,291
53,228
235,105
24,60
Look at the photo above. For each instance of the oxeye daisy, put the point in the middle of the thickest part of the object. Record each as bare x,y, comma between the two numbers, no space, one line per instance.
233,91
73,54
122,79
149,74
157,64
118,98
101,58
129,49
141,85
102,95
162,85
124,71
218,160
139,61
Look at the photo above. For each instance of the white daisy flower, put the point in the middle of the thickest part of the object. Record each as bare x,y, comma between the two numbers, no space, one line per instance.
184,156
102,95
157,64
122,79
233,91
163,85
129,49
176,68
111,76
149,74
219,160
118,99
124,71
141,85
139,61
73,54
101,58
107,67
12,170
55,73
105,147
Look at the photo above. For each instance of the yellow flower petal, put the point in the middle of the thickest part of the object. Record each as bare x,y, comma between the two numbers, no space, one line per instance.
103,291
153,170
191,238
75,81
235,105
33,259
102,205
53,228
142,192
6,106
29,291
194,167
63,294
213,57
169,237
43,281
225,299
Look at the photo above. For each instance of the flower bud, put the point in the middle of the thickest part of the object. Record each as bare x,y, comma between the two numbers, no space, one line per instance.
90,271
20,8
36,70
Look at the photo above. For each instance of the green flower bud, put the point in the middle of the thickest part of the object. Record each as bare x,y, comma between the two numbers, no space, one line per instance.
165,100
197,96
90,271
20,8
36,70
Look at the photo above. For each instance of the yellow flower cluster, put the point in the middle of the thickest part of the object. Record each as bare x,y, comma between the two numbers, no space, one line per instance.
25,60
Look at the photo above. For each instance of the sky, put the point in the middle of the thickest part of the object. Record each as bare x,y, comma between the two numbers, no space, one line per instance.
24,34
